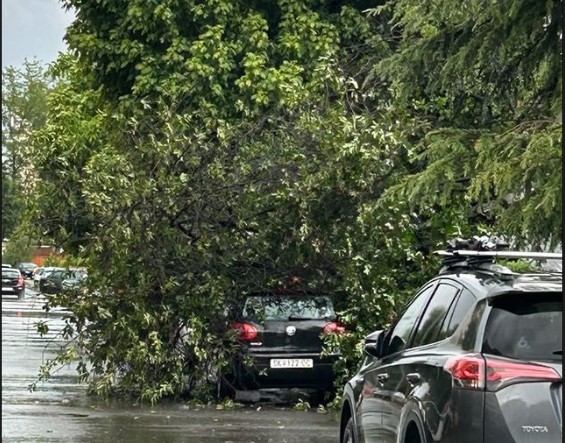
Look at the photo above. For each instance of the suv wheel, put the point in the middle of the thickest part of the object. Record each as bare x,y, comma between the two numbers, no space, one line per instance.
349,433
414,432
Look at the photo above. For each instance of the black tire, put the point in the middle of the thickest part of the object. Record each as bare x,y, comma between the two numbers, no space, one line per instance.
415,432
349,432
321,397
225,388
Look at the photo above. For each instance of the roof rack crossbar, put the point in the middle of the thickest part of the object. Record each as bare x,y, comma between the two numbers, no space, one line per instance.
502,254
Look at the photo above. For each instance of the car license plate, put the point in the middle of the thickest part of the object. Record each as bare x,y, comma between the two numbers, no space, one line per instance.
289,363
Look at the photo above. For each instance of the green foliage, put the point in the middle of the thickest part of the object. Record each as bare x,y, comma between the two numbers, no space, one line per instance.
24,109
12,203
480,88
76,122
226,403
301,405
197,151
520,266
19,249
180,173
57,261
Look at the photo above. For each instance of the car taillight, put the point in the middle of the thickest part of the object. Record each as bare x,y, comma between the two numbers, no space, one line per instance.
334,327
247,331
477,372
467,371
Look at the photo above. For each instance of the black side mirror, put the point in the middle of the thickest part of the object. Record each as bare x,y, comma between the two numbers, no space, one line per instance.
374,344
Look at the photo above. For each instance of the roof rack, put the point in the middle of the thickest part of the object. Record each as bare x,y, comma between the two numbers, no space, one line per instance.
480,252
484,260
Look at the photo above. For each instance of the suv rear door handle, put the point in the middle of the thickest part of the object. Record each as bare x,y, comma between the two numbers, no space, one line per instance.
413,378
382,377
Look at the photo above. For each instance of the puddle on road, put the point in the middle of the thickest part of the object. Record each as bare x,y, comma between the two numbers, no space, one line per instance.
60,410
114,423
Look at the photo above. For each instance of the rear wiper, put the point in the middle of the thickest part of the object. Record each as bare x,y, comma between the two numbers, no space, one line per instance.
558,352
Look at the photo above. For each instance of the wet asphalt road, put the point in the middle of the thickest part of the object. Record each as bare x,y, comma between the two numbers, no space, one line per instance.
60,411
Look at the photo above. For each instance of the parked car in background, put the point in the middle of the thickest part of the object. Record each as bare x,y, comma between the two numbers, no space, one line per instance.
27,269
42,272
75,279
282,333
13,282
56,280
476,356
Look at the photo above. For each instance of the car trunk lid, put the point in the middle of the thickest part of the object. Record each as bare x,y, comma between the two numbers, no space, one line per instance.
292,336
524,380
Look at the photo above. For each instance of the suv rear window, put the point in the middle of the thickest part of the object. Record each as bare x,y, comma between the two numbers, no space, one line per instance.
299,307
525,327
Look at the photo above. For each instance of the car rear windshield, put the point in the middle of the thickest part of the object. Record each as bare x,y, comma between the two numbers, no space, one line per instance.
525,327
300,307
9,273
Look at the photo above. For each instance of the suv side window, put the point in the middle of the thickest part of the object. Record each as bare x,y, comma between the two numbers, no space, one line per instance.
435,313
401,332
464,303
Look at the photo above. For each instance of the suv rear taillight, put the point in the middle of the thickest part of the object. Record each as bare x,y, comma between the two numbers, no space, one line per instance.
473,371
334,327
247,331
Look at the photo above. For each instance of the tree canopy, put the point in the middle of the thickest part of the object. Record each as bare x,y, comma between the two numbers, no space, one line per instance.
197,151
24,110
480,85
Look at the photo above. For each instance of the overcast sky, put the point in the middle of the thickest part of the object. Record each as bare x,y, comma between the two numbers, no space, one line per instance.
33,28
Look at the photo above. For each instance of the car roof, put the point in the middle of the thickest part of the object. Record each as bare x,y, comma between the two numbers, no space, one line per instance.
10,269
490,284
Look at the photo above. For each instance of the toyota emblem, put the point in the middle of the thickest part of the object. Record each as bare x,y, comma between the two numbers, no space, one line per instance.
290,330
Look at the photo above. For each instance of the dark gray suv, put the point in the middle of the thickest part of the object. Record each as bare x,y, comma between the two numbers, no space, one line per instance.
475,357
